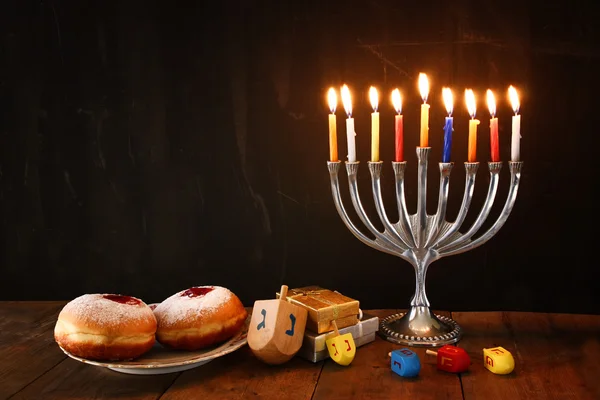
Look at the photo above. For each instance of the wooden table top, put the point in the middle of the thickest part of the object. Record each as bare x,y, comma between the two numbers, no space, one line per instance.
557,356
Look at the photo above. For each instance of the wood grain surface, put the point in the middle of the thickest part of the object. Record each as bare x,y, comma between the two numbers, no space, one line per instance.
556,357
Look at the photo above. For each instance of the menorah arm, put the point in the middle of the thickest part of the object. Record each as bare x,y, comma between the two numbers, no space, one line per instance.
334,167
404,221
515,170
470,174
494,168
440,215
385,237
375,169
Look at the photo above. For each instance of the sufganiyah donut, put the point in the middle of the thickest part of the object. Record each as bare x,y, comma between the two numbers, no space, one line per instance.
199,317
106,327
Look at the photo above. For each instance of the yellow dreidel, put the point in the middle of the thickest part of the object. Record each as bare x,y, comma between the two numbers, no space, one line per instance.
498,360
276,329
341,347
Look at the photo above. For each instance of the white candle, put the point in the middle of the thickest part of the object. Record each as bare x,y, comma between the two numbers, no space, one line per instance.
351,140
350,133
515,151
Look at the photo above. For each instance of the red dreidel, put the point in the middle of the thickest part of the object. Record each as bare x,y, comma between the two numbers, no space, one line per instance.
451,359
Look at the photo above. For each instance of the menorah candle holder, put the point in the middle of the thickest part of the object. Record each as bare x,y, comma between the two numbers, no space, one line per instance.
421,239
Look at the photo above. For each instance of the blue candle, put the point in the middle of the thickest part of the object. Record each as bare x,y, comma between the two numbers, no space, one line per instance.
449,103
447,139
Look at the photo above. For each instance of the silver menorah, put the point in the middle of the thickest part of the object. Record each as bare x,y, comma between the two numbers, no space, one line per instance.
421,239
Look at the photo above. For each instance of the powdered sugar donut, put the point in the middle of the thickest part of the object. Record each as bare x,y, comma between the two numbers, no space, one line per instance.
106,327
199,317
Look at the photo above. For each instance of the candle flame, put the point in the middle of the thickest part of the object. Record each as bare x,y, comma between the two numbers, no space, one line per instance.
397,100
448,100
470,100
423,86
332,100
514,99
347,100
491,102
374,97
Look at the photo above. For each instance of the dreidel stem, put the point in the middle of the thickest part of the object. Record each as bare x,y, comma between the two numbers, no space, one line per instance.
335,328
431,352
283,293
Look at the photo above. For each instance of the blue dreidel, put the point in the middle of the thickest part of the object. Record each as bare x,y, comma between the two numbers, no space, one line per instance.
405,363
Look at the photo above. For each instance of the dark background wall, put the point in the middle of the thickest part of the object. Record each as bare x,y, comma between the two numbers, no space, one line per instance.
146,147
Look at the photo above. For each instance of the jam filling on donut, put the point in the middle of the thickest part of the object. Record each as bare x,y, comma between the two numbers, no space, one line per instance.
117,298
197,291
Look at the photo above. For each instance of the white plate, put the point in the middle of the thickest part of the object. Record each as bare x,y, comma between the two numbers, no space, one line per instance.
160,360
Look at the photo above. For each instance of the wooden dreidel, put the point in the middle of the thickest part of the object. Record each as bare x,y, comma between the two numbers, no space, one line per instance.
451,359
498,360
405,363
276,329
341,347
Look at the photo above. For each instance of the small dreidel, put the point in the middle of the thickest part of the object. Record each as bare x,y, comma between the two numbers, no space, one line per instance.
451,359
276,329
341,347
498,360
405,363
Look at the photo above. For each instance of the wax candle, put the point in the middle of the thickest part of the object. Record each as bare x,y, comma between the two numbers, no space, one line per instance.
399,125
350,133
494,146
424,90
374,97
332,99
449,104
471,107
516,125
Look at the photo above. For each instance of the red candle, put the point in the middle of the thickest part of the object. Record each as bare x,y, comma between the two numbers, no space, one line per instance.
399,125
399,138
494,146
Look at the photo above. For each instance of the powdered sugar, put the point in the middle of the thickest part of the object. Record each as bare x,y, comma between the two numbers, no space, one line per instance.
98,309
180,307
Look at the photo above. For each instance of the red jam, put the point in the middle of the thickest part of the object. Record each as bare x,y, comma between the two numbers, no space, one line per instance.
117,298
197,291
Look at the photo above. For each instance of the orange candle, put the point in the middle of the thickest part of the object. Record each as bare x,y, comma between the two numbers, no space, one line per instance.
424,90
471,107
332,99
494,146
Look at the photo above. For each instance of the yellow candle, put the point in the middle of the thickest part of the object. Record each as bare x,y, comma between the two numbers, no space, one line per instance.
471,107
332,99
424,89
373,96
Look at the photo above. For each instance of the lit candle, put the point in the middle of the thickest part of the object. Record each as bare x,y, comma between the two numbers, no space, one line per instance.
424,89
494,146
350,134
332,99
397,102
374,97
449,103
516,124
471,107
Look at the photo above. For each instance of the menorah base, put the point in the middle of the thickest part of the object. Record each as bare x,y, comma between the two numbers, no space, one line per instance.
420,328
